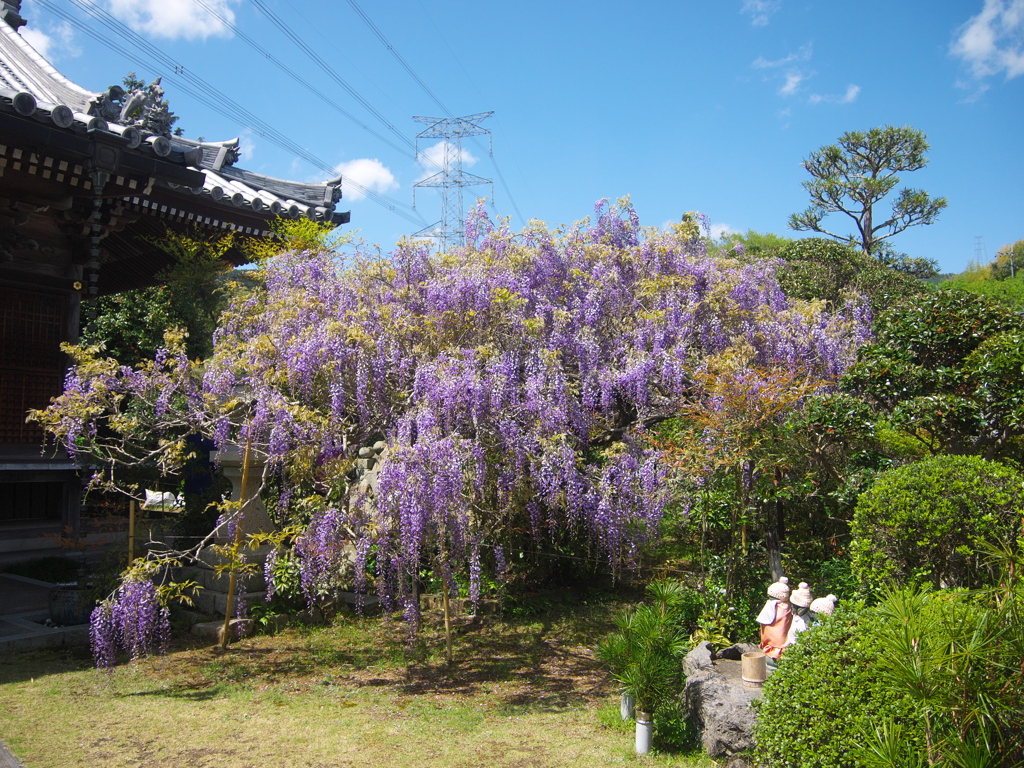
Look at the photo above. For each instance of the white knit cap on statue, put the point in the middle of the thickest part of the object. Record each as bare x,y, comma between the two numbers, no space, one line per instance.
801,596
824,605
780,589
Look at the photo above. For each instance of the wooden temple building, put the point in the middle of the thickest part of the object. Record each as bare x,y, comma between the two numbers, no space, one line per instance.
87,179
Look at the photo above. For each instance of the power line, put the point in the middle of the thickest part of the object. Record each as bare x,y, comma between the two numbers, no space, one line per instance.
189,82
398,57
283,27
330,71
426,89
205,92
504,185
264,53
326,68
337,53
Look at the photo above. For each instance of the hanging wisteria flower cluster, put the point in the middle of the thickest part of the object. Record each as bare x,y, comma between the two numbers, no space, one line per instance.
133,619
515,378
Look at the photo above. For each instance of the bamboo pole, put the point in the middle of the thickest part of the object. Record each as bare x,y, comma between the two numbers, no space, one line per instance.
131,532
447,625
242,501
447,606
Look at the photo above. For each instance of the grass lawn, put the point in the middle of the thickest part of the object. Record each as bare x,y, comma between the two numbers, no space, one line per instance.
524,693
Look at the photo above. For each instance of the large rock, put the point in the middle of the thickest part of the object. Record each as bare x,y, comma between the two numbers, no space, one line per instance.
735,652
719,706
214,630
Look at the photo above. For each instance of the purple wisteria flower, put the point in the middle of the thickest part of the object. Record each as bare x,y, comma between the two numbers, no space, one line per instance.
513,381
133,619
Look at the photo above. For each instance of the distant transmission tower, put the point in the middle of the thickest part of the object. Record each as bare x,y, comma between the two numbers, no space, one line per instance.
451,179
979,249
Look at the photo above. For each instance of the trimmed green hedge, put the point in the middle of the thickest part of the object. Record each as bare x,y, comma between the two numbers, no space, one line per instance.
825,696
818,268
925,522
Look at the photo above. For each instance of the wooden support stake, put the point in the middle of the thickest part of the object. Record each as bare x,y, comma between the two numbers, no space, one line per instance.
131,532
447,624
242,501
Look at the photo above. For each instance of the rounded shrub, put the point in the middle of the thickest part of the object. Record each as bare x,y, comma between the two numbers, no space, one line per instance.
926,522
818,268
825,697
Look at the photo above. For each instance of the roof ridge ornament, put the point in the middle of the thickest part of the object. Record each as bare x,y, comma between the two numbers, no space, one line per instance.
146,108
143,108
107,104
227,154
10,11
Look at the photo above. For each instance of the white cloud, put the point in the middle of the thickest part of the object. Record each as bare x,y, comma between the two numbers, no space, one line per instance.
58,40
38,40
246,146
174,19
850,95
794,75
793,80
431,159
976,89
993,41
719,231
368,174
803,54
760,10
296,169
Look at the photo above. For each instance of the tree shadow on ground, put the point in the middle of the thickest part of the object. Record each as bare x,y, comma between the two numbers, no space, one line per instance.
536,662
20,666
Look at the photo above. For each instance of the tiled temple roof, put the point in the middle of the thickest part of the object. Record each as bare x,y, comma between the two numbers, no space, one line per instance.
32,88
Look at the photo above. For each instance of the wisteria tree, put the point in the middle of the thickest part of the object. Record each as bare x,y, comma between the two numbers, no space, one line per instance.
515,382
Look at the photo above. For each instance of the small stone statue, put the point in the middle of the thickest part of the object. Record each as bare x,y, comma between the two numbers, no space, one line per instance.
776,620
823,606
801,599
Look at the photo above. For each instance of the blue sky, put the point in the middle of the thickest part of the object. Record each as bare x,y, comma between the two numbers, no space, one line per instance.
707,106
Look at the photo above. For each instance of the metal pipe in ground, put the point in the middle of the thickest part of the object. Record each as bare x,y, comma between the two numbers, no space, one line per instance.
627,706
644,732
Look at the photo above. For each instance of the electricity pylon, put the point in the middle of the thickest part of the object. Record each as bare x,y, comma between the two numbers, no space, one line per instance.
451,179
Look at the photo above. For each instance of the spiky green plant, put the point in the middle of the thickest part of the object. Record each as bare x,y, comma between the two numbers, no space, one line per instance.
644,656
